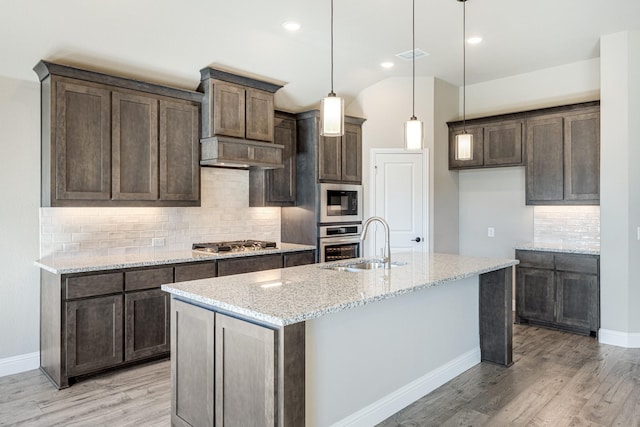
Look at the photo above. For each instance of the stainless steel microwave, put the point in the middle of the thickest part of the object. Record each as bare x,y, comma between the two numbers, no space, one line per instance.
340,203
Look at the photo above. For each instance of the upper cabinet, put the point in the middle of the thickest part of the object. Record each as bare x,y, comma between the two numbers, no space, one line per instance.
339,159
497,142
238,121
563,156
560,147
277,187
110,141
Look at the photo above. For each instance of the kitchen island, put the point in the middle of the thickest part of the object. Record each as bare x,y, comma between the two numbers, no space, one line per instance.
316,346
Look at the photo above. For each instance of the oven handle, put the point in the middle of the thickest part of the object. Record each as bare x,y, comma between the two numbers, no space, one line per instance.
333,240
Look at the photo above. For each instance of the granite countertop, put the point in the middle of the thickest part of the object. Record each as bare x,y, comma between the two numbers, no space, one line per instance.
85,264
570,248
286,296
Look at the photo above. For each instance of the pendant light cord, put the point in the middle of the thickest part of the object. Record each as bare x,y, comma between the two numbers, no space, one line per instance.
332,47
464,66
413,35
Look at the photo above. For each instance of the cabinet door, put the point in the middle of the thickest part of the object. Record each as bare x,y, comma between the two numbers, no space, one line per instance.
93,334
545,170
245,371
503,144
576,296
259,115
478,148
582,157
192,365
228,110
179,151
82,141
329,158
535,294
241,265
281,183
352,154
134,135
146,324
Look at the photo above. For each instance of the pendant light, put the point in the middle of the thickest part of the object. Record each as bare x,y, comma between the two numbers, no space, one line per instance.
332,106
413,129
464,141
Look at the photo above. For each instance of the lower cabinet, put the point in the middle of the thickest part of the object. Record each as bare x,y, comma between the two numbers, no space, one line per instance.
92,322
146,330
229,372
93,334
558,290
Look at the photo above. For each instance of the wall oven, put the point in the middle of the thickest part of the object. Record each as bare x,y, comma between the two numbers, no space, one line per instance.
340,203
339,242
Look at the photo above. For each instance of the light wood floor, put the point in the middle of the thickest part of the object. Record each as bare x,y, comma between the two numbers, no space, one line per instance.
557,379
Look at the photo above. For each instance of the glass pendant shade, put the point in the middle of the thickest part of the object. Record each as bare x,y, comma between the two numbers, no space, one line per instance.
464,146
332,116
413,134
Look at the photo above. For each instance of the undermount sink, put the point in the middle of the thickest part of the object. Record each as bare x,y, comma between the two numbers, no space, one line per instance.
361,265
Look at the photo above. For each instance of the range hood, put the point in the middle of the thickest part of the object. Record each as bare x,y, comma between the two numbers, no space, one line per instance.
224,151
238,126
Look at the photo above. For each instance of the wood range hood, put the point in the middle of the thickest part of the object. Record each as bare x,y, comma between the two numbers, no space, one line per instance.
238,122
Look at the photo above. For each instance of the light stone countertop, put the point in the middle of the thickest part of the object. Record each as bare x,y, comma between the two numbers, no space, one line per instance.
570,248
86,264
286,296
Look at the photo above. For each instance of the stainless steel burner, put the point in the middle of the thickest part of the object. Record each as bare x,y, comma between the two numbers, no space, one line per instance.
233,246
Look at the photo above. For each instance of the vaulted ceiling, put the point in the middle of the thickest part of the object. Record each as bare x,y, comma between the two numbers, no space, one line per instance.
169,41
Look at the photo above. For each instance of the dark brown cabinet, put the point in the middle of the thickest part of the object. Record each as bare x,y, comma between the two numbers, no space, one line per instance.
497,142
93,334
563,157
558,290
107,319
339,159
240,111
110,141
277,187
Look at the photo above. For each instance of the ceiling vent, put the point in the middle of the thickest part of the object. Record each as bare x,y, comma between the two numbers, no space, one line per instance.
408,55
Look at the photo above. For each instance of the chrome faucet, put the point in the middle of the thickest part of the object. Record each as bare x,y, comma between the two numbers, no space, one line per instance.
387,247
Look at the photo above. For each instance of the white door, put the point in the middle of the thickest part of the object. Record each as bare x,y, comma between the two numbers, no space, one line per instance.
400,195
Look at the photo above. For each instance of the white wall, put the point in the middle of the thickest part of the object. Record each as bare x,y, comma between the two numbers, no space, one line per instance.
620,198
386,106
496,197
20,195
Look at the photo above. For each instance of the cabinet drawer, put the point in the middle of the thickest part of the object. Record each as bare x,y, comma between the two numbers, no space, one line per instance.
202,270
577,263
88,286
147,279
299,258
535,259
249,264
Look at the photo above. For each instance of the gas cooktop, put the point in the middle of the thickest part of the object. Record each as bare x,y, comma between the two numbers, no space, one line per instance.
233,246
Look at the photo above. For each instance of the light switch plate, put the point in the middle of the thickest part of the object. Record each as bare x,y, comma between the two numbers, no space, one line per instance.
491,232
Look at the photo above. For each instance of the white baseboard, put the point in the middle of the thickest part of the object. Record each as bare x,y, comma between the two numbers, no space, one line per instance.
20,363
619,339
404,396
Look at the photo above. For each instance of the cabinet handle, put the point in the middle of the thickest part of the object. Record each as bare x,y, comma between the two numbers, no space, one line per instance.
417,239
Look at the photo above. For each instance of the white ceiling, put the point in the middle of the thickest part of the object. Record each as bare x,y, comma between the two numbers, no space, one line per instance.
169,41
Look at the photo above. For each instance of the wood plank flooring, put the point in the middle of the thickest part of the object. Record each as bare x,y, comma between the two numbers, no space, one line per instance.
557,379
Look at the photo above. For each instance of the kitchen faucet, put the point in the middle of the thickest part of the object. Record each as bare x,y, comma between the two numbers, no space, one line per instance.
387,248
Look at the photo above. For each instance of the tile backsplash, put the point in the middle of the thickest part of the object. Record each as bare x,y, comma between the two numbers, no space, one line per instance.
224,215
566,224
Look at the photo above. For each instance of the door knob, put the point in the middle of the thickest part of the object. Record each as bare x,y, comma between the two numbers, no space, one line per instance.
417,239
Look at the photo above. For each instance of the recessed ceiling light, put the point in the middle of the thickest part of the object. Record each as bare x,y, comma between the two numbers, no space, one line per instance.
474,40
291,26
387,64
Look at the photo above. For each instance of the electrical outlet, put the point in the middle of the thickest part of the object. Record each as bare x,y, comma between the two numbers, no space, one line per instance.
491,232
157,241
